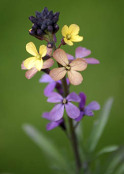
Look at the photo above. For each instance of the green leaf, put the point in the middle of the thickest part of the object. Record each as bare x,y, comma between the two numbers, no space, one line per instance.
108,149
114,162
99,126
120,169
47,146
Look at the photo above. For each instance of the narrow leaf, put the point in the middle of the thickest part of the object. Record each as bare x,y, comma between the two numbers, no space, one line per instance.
107,149
99,126
47,146
120,169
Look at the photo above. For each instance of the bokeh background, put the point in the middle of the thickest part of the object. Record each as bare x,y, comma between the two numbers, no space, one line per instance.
22,100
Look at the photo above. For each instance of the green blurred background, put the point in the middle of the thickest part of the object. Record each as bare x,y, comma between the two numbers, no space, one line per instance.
22,100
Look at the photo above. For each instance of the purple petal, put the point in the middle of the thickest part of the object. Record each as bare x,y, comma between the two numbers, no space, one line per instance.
53,124
82,52
83,100
92,61
80,117
88,112
49,89
46,115
72,110
93,106
45,78
73,97
70,57
57,112
55,98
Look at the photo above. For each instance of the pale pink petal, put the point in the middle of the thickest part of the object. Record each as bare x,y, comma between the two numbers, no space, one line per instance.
22,66
48,63
82,52
57,73
75,78
78,64
30,73
49,51
61,57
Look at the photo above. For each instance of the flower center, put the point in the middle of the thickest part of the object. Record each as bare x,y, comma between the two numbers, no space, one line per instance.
64,101
38,56
67,67
68,37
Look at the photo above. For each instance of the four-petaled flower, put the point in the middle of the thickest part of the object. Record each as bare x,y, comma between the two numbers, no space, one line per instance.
82,52
86,110
70,34
57,112
71,69
53,124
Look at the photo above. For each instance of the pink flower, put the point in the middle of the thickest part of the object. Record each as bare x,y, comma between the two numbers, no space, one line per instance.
71,69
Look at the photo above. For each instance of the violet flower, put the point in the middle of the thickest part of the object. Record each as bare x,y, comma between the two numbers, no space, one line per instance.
86,110
53,124
45,78
82,52
57,112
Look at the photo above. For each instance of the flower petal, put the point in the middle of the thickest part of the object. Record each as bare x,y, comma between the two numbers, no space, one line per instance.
75,78
30,73
80,117
53,124
29,62
74,29
61,57
68,42
45,78
73,97
22,66
82,52
92,61
78,64
48,63
72,110
55,98
46,115
39,64
49,89
43,50
70,57
64,30
76,38
30,48
83,100
49,51
57,73
57,112
93,106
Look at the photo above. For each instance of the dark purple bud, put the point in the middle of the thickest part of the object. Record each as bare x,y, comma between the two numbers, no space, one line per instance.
39,32
49,22
63,42
55,19
38,14
43,27
56,14
56,28
50,28
32,19
46,10
32,32
34,26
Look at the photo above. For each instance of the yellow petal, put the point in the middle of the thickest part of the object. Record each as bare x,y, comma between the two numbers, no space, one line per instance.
74,29
29,63
39,64
68,42
30,48
65,30
43,50
76,38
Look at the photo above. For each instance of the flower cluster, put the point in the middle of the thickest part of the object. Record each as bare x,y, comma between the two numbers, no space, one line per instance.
67,73
44,22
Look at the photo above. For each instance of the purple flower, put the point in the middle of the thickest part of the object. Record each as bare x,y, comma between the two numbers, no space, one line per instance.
86,110
53,124
45,78
82,52
57,112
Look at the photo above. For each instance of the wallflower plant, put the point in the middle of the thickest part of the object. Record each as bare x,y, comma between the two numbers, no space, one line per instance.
57,91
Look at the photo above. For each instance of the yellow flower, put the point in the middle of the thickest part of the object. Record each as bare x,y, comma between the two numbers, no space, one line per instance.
70,34
35,61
